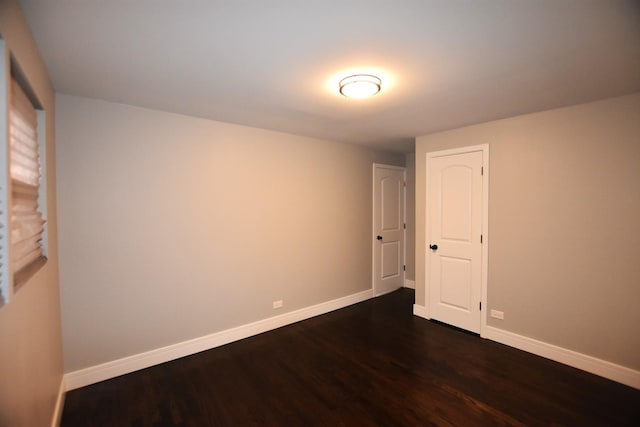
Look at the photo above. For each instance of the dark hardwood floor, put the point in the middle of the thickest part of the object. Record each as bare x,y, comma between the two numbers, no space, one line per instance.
371,364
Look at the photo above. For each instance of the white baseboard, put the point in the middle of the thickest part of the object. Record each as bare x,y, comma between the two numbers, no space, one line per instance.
587,363
104,371
57,411
572,358
420,311
411,284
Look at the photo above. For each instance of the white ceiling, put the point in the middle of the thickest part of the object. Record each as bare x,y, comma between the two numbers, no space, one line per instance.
275,63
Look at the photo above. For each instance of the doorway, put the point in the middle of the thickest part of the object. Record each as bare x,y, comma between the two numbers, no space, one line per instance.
389,183
456,236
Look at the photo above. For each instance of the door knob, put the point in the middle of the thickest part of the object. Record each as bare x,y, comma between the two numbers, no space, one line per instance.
433,247
379,237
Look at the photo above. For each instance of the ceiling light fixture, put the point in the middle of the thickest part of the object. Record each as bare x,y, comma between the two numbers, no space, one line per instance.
360,86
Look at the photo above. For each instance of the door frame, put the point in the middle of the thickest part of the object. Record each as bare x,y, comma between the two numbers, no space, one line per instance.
484,148
373,222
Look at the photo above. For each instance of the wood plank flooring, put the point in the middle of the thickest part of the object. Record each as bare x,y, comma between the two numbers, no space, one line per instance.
371,364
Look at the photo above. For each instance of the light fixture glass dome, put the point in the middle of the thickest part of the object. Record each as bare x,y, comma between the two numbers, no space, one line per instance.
360,86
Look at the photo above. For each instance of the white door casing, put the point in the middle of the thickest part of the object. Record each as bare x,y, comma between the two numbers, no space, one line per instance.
388,228
456,241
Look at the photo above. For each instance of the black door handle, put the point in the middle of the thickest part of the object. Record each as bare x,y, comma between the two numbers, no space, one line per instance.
379,237
433,247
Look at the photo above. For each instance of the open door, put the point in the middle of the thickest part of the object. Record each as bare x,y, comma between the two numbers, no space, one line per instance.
388,228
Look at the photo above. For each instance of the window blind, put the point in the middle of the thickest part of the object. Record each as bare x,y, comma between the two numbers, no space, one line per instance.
26,220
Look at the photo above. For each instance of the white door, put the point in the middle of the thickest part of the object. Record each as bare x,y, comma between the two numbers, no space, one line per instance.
455,208
388,228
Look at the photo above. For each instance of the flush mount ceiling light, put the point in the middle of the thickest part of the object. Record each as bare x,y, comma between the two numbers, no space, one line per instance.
360,86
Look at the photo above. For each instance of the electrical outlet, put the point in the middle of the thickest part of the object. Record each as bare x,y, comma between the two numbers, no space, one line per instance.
278,304
497,314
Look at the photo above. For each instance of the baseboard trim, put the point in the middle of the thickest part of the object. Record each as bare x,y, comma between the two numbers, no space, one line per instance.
57,411
411,284
420,311
587,363
112,369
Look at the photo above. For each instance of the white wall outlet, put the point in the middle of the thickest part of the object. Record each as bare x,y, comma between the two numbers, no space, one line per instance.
278,304
497,314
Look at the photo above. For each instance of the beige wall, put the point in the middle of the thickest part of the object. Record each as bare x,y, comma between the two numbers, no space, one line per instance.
174,227
30,337
564,210
410,164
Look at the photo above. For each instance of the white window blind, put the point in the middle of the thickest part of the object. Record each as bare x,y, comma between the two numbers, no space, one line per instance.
26,220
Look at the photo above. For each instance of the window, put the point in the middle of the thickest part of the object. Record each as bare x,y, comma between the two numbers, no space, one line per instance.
26,219
22,194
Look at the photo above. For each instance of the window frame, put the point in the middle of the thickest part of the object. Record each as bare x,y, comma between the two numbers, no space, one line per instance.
10,281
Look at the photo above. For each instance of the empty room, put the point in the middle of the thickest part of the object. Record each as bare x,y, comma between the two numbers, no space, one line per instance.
340,213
